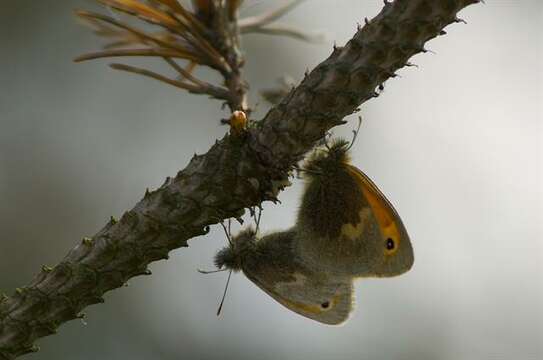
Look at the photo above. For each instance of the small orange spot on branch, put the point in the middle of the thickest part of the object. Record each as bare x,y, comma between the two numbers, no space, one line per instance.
238,122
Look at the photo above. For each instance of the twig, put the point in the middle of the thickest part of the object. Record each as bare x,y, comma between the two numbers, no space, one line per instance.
141,34
284,30
136,52
186,73
224,25
219,93
265,19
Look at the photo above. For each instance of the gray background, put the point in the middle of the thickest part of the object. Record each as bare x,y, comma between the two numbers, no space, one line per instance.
455,145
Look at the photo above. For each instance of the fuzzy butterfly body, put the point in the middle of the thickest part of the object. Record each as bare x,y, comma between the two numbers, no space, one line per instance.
345,229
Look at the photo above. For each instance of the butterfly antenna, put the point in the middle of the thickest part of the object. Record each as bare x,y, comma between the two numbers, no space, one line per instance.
230,229
253,213
224,293
355,133
210,271
257,219
227,231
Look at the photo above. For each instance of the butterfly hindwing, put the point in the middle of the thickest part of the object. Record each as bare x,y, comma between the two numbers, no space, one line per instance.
327,301
276,269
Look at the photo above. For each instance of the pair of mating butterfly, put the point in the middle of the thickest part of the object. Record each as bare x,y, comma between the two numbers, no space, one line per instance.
346,229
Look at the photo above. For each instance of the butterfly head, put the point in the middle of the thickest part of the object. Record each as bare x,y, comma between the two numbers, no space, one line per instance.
233,256
328,161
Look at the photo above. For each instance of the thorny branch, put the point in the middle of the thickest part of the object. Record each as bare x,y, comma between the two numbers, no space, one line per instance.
240,171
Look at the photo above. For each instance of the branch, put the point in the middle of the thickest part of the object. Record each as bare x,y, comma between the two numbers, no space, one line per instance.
238,172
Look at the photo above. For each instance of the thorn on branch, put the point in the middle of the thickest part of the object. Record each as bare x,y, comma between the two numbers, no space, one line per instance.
99,300
205,230
458,20
425,50
145,272
46,269
51,326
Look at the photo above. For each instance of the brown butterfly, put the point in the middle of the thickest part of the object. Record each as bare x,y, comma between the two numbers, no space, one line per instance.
346,229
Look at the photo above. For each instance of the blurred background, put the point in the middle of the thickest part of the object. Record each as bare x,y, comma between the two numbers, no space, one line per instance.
455,144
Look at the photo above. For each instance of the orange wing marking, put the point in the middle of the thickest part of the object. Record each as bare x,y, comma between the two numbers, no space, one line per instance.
382,209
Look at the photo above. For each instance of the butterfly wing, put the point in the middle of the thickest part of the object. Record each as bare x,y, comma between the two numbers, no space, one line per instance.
277,269
393,245
348,227
387,217
326,301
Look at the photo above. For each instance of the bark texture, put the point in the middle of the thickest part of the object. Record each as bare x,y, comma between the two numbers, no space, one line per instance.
238,172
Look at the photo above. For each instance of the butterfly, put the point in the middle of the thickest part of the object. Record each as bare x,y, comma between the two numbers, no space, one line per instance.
345,225
345,229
